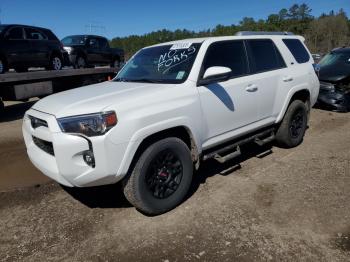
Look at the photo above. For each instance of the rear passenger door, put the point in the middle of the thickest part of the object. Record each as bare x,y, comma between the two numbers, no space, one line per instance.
269,74
231,104
39,46
93,51
104,51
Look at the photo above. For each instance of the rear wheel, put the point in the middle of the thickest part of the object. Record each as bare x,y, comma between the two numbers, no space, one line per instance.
161,177
56,63
292,129
80,62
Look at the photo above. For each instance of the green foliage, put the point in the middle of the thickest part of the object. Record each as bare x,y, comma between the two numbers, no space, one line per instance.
322,33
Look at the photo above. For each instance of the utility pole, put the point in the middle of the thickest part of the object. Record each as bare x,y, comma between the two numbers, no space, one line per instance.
94,27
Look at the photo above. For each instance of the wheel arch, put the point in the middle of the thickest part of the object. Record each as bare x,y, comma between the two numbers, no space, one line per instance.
137,147
302,94
56,52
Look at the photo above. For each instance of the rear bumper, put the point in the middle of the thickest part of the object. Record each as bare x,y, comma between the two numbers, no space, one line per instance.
66,164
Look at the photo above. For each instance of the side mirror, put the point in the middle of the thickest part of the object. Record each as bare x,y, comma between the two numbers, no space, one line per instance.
215,74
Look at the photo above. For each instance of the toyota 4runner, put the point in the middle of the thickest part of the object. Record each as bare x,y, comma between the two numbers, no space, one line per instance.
172,106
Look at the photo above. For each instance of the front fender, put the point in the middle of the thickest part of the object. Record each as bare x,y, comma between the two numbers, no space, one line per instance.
145,132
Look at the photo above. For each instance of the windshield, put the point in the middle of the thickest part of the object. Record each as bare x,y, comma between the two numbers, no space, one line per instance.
160,64
335,59
74,40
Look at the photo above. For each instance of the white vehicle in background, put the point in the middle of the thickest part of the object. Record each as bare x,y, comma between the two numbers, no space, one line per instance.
172,106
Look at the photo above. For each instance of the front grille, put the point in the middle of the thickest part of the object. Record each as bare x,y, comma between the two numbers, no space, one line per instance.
37,122
44,145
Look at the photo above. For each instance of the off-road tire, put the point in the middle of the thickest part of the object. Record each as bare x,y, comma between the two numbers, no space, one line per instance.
136,187
287,135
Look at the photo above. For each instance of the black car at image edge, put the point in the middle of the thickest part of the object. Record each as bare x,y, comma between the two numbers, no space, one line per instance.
92,50
23,46
334,75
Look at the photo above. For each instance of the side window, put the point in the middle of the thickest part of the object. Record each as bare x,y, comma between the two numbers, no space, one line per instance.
103,43
93,43
263,56
297,49
229,54
33,34
15,33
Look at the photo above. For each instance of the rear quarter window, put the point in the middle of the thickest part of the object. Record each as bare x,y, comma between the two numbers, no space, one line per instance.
297,49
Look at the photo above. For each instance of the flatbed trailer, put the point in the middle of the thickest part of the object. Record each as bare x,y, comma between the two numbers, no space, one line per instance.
22,86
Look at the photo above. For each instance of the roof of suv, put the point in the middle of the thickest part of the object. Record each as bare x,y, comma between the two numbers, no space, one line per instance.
8,25
222,38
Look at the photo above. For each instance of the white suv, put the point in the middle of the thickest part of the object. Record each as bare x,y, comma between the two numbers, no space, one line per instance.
172,106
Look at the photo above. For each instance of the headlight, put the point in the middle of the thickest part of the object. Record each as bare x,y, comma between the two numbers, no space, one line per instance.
88,125
68,49
327,86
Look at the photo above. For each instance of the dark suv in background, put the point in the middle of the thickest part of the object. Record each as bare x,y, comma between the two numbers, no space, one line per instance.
24,46
91,50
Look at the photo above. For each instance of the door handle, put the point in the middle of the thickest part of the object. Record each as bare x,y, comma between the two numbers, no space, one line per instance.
287,79
251,88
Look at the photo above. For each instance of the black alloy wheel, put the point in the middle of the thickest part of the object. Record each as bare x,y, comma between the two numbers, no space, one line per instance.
164,174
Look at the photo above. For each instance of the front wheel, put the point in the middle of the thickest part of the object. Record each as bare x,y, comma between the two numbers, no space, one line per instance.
292,129
115,63
161,177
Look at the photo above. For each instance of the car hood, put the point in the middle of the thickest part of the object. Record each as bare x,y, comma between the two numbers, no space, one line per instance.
93,98
334,74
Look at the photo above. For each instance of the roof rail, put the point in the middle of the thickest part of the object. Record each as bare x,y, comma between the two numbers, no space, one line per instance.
242,33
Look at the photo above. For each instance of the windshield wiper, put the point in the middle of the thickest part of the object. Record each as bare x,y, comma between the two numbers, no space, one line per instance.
146,80
121,79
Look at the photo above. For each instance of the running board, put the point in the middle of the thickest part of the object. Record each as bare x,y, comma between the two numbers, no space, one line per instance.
223,159
233,150
265,140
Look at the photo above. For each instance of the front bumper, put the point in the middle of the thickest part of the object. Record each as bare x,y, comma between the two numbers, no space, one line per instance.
65,164
333,99
66,59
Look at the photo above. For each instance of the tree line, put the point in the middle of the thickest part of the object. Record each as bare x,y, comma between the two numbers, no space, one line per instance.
322,33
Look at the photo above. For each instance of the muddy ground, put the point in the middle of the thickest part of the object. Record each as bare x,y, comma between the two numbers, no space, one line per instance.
271,204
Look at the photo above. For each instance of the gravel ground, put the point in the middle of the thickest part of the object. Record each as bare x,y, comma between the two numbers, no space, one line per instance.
271,204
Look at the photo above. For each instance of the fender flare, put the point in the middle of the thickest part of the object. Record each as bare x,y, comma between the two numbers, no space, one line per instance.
288,98
140,135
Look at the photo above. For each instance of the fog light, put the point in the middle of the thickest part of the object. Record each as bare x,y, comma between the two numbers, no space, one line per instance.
89,158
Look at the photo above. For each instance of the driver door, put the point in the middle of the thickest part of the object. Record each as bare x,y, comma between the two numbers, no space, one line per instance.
231,104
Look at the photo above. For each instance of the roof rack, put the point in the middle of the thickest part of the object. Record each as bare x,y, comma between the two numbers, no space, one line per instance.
242,33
